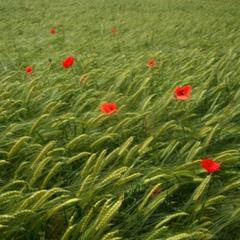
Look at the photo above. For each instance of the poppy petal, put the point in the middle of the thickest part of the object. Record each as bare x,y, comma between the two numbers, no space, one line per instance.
29,69
177,91
210,165
187,89
109,108
182,93
68,62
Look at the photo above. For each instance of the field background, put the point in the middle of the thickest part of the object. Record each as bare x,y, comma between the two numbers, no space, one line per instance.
68,171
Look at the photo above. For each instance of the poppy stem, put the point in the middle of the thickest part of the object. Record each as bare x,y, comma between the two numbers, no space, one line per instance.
76,79
51,67
203,202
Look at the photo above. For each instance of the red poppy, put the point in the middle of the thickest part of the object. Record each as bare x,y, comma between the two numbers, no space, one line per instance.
29,70
151,63
182,93
210,165
113,31
109,108
68,62
156,192
52,31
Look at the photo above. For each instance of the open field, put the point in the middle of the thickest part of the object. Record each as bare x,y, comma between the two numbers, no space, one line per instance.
69,171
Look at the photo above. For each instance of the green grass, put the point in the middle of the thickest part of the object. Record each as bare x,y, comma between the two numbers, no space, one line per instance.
68,171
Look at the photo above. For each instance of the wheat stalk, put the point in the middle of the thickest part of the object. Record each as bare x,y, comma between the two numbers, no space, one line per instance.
109,215
5,218
78,156
87,165
84,184
68,232
180,236
101,140
99,162
157,233
232,186
193,151
51,104
70,202
199,235
32,198
169,218
39,169
201,188
210,202
12,184
210,136
169,150
110,235
235,215
147,101
9,196
120,125
130,154
2,162
51,173
158,200
42,153
165,127
146,199
125,145
86,220
113,176
23,213
189,165
20,168
128,179
76,141
153,179
42,117
145,144
54,151
45,196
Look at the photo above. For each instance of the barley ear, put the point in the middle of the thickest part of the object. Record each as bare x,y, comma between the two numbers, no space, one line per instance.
201,188
154,235
38,122
67,234
50,174
109,215
17,145
42,153
169,218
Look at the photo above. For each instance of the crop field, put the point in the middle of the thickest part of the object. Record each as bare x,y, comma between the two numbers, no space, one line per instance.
120,120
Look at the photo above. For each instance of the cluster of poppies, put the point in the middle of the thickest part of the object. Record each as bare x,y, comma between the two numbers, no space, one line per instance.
180,93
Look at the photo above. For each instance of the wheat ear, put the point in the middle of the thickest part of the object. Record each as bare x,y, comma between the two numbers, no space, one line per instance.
17,145
201,188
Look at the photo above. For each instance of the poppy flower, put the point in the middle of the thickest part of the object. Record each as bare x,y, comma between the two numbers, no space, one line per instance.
210,165
29,70
151,63
113,31
52,31
182,93
156,192
109,108
68,62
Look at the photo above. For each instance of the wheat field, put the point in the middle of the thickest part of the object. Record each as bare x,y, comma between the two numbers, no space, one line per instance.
68,170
